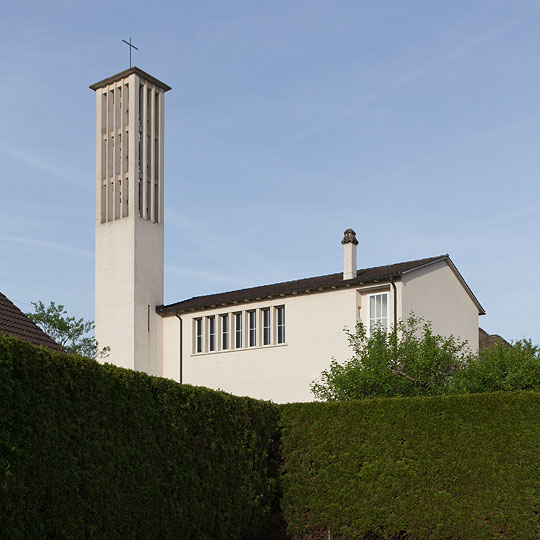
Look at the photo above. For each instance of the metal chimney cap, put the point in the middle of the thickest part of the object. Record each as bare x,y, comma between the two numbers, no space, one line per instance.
349,237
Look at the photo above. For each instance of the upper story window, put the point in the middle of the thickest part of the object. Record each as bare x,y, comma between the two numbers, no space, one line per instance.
198,335
238,330
266,326
280,315
211,333
378,311
252,328
225,332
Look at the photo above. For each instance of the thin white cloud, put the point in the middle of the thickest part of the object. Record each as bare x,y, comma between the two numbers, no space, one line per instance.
448,152
19,241
405,80
41,291
470,142
207,276
43,165
224,244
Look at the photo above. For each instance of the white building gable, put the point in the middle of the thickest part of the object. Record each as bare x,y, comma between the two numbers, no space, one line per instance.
267,342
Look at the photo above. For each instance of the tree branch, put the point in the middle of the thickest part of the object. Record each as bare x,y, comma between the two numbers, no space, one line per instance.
408,377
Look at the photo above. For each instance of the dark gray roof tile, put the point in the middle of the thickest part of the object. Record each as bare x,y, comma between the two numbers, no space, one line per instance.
365,275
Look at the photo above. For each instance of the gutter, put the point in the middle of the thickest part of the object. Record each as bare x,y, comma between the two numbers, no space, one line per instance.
395,300
181,346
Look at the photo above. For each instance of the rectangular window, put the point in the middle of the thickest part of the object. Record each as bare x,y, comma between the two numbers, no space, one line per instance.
252,322
211,333
225,332
238,330
266,326
280,324
198,335
378,311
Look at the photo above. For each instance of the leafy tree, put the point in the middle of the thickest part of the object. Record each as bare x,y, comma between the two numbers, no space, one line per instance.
503,367
410,360
70,333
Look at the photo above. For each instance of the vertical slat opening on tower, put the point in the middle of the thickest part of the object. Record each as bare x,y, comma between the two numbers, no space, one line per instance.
103,157
161,157
117,152
151,155
110,155
116,131
148,153
156,216
140,156
125,153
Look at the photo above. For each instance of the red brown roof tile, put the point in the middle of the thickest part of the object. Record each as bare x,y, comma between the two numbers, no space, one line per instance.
13,322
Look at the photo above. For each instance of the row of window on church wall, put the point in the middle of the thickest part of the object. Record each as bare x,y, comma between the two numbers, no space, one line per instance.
261,327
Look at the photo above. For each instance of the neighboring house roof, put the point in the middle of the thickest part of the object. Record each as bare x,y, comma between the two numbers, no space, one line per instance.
14,322
307,285
488,341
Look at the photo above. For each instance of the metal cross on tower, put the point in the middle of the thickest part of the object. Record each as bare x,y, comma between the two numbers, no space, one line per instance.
130,47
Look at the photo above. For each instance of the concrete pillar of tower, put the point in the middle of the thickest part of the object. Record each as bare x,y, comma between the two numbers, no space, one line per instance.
129,262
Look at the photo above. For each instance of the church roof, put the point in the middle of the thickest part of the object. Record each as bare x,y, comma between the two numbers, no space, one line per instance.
306,285
14,322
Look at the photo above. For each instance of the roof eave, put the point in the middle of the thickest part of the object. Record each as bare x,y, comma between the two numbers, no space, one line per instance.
175,309
126,73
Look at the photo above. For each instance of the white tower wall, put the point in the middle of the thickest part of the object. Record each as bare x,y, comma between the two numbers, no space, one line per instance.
129,219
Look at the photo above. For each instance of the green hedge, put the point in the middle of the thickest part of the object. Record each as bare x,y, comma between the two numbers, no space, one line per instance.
92,451
452,467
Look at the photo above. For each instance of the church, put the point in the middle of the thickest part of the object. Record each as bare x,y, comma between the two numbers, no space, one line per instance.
268,342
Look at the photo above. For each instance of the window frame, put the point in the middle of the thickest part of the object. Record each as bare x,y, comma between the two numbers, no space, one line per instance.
251,327
211,321
199,335
280,327
225,332
266,329
375,318
238,335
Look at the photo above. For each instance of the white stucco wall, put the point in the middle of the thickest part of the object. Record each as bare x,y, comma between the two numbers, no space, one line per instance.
281,373
115,291
171,348
314,334
148,282
435,293
129,278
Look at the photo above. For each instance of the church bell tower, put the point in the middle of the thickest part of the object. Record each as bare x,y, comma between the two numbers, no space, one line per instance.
129,218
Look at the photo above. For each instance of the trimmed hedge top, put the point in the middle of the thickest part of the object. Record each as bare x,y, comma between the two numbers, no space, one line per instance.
443,467
92,451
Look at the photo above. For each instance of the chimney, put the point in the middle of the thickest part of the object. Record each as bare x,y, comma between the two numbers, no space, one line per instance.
349,254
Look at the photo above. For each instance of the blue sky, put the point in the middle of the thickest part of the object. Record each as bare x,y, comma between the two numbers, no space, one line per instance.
416,123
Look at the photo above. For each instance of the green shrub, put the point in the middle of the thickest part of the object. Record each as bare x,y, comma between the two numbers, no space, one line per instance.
501,368
92,451
409,360
443,467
